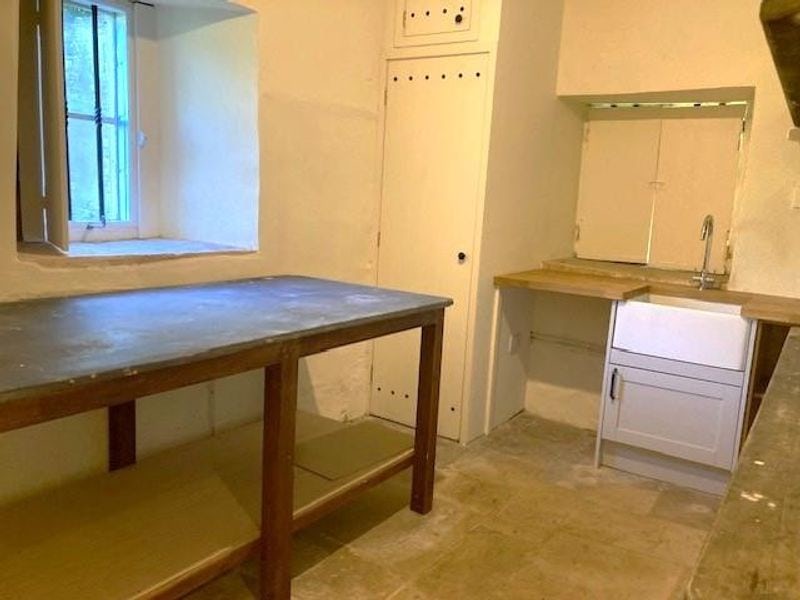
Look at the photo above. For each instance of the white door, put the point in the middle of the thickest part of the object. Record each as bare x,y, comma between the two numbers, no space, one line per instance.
697,172
432,172
686,418
617,188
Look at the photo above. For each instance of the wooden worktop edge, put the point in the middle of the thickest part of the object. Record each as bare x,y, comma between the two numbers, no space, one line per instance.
781,310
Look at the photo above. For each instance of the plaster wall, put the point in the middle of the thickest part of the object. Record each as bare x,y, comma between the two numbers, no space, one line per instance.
208,160
318,179
531,192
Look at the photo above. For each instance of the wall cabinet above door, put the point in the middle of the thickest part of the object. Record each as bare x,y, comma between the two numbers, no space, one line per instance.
427,22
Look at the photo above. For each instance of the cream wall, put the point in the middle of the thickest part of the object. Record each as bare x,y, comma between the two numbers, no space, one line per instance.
319,168
529,213
208,103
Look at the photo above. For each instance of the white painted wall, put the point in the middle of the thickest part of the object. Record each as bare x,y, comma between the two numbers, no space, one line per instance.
318,105
531,194
148,114
566,359
208,157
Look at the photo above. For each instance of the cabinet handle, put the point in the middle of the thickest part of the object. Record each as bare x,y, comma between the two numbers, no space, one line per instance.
613,390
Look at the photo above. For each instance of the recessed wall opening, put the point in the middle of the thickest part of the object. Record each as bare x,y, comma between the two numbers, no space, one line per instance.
146,127
655,169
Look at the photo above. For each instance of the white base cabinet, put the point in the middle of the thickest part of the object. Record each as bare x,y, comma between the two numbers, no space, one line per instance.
686,418
670,417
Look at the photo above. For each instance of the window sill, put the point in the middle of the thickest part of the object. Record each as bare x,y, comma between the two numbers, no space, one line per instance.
123,252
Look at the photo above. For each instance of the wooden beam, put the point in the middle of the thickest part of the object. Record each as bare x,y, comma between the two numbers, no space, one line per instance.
277,498
122,435
781,20
430,367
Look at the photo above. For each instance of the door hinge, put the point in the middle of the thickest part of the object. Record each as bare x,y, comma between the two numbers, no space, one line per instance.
577,233
740,139
379,239
386,96
405,20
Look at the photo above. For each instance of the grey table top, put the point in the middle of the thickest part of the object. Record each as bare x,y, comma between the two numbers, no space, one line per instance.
753,550
65,340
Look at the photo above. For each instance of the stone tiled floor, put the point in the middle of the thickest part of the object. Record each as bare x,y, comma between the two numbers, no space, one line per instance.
521,514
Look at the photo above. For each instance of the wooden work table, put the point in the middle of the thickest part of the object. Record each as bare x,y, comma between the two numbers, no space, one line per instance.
64,356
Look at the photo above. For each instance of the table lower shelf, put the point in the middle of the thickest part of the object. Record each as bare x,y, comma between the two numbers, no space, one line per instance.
172,522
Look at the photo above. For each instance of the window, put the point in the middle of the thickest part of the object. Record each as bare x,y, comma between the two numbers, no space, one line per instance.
97,75
137,121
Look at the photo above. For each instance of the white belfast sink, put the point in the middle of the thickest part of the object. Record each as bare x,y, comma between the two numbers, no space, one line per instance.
687,330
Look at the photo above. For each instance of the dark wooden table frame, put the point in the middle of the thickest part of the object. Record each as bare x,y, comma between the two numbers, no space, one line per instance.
280,361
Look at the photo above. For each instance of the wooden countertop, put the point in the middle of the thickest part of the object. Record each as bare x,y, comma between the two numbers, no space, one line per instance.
591,286
551,278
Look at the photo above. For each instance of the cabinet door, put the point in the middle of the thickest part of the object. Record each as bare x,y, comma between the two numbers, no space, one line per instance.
697,177
615,204
686,418
433,162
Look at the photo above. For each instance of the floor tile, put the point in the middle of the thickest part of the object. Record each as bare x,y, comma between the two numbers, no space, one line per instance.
569,566
687,507
347,576
480,567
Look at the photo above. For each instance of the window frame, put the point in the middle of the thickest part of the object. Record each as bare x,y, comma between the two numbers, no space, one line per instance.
119,230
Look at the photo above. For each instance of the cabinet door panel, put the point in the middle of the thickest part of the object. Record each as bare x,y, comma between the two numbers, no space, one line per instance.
615,204
686,418
697,174
432,171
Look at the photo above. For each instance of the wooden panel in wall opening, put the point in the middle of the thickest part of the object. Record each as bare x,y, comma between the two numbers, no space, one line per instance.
432,172
615,203
29,135
698,171
55,124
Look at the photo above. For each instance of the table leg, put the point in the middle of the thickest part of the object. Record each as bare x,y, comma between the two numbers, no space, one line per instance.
430,367
280,408
122,435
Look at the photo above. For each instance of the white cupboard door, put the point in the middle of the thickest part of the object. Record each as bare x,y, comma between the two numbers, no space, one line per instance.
617,188
698,171
686,418
433,160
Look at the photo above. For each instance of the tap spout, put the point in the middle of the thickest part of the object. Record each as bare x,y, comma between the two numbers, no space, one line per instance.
708,228
705,279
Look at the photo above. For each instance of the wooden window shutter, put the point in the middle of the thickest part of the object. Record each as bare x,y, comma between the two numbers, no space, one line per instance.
56,193
30,189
